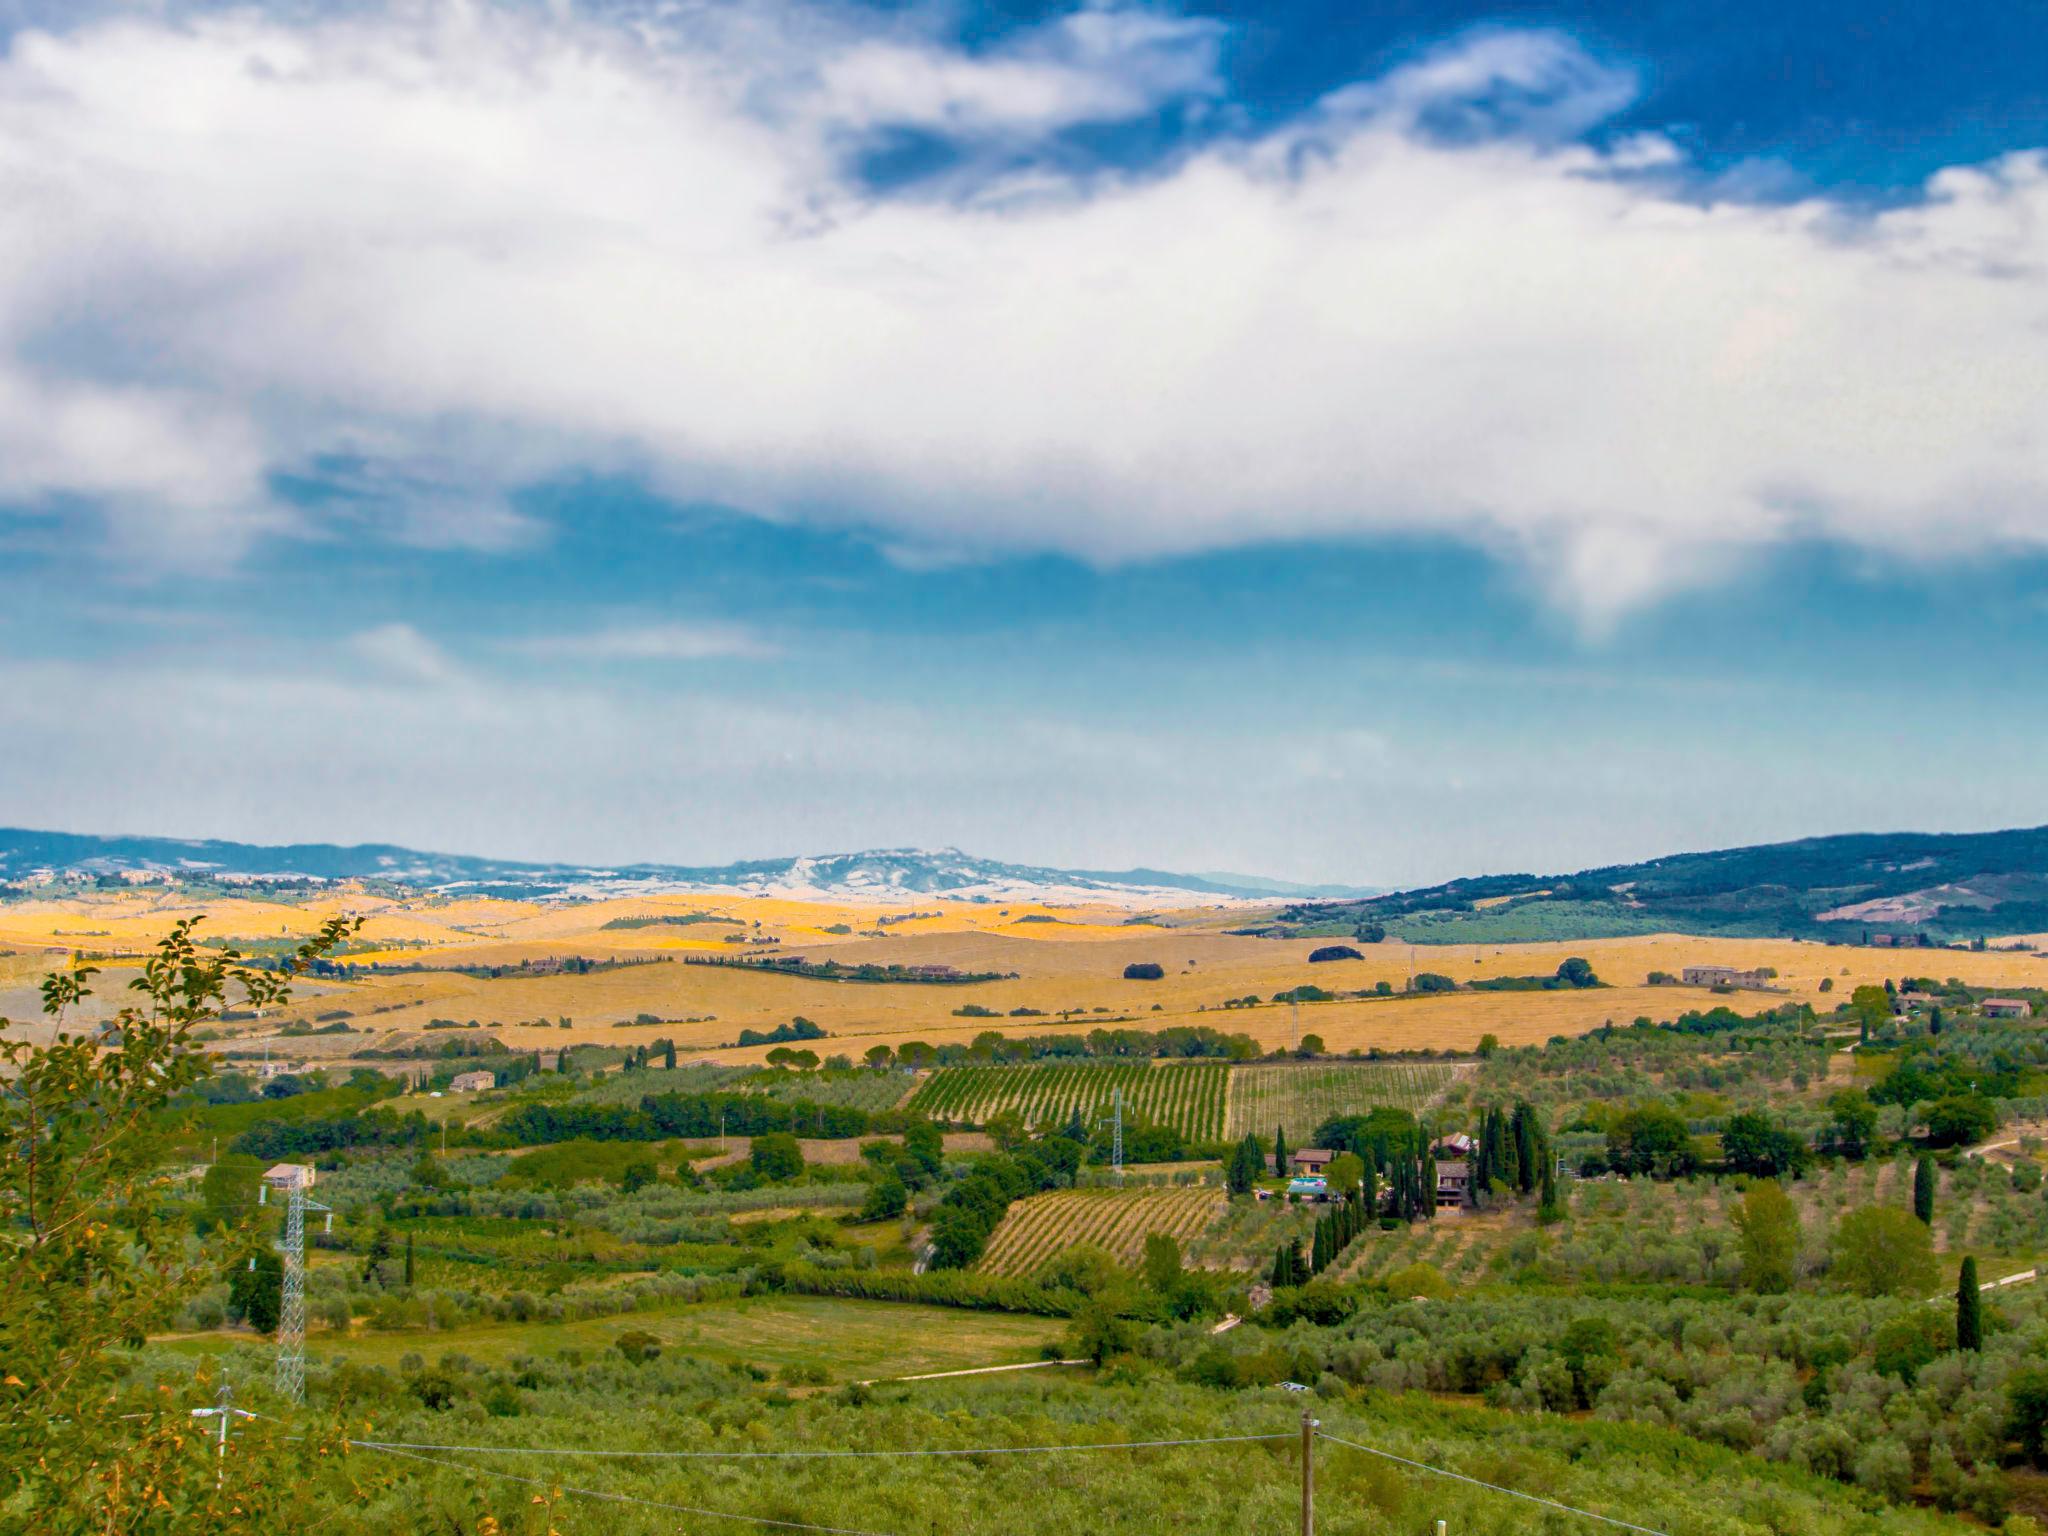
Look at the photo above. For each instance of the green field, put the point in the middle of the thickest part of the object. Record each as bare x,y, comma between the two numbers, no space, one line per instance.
1188,1096
1301,1095
848,1340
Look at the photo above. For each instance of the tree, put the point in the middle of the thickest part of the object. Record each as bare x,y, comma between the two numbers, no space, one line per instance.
1280,1150
1311,1045
1960,1118
1880,1251
256,1289
1872,1007
886,1198
2026,1395
634,1177
408,1261
1652,1139
1548,1210
880,1057
668,1056
1246,1167
1345,1173
1923,1190
1488,1044
1577,972
1852,1125
776,1156
91,1262
1969,1308
377,1264
1432,981
1144,970
1751,1144
1767,1237
925,1146
1162,1262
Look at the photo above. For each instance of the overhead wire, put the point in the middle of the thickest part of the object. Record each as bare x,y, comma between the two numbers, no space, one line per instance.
1477,1482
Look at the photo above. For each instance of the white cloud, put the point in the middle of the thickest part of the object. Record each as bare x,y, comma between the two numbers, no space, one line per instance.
652,642
402,654
237,243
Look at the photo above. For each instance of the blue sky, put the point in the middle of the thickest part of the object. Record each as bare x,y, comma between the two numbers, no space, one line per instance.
1368,447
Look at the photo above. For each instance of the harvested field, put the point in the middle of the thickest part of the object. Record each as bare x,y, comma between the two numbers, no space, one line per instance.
1039,1228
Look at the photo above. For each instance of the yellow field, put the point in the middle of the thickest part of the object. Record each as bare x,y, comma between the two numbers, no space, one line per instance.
1072,965
1042,1226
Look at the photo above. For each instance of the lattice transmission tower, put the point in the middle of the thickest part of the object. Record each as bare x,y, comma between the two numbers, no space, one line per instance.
291,1316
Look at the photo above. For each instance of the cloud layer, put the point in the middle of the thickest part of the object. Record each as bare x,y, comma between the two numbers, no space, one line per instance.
476,246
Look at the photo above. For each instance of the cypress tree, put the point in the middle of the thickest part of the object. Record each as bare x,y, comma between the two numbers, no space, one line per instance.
1297,1266
1428,1185
1548,1210
408,1259
1528,1164
1280,1150
1511,1151
1371,1187
1969,1308
668,1056
1319,1252
1923,1190
1281,1275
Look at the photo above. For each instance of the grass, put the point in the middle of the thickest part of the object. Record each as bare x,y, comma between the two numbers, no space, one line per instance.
849,1340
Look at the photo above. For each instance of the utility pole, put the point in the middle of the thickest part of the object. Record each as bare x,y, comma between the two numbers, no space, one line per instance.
291,1317
224,1411
1309,1426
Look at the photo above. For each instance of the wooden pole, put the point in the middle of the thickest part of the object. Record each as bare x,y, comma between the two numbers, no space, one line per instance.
1308,1472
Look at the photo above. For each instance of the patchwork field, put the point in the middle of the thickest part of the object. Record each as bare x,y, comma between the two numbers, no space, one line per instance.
1188,1096
1060,970
1301,1095
1046,1225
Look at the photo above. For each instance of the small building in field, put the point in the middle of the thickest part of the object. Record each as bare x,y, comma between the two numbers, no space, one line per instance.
1453,1184
474,1082
1457,1144
1313,1161
2005,1008
287,1176
1722,976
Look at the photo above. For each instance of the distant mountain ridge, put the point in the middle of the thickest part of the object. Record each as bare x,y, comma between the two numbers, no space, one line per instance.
1902,885
883,873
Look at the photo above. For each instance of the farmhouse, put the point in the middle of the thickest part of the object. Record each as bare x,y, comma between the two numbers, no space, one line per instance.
1457,1144
289,1176
1313,1162
1722,976
474,1082
1453,1184
2005,1008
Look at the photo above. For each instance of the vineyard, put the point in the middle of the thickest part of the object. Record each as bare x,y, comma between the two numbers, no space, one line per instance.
1044,1226
1301,1095
1187,1096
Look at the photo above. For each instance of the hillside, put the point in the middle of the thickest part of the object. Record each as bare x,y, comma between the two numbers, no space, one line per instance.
875,874
1945,887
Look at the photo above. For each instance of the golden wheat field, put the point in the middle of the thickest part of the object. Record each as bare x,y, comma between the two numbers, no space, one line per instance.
1063,964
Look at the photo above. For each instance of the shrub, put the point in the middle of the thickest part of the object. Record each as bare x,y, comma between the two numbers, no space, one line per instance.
776,1156
1333,952
1144,970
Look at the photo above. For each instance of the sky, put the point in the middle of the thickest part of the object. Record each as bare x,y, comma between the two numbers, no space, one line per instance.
1332,442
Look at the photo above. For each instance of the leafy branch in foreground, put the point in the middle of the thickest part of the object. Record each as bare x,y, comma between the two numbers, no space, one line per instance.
90,1261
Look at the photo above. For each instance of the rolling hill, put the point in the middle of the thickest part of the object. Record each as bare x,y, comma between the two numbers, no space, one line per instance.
888,874
1904,886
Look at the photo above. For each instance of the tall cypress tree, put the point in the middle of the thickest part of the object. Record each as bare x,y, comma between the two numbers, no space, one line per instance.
1548,1210
408,1259
668,1056
1280,1150
1528,1164
1428,1185
1370,1198
1969,1308
1923,1189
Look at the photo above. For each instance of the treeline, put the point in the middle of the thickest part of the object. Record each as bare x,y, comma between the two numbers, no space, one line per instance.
301,1138
973,1208
659,1116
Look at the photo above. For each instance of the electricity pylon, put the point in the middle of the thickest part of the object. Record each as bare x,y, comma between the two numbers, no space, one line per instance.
1116,1120
291,1317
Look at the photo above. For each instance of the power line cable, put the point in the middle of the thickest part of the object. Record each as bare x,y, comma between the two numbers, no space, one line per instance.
986,1450
1513,1493
616,1498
